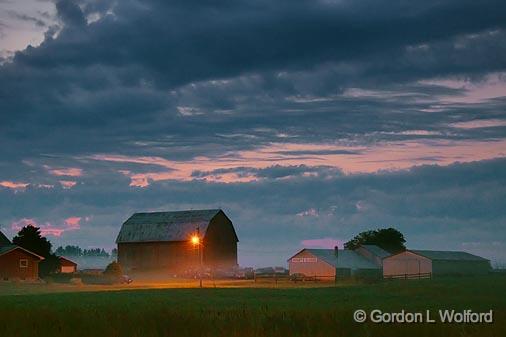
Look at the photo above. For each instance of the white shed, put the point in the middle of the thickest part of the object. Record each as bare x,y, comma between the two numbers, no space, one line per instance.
407,265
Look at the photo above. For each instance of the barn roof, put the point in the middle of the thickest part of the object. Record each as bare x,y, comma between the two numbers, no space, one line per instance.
3,240
448,255
376,250
7,248
165,226
345,258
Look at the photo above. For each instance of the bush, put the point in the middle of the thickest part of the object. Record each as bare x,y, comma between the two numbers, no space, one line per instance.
114,270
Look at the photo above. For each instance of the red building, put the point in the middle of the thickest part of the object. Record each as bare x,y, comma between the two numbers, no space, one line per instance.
66,266
17,263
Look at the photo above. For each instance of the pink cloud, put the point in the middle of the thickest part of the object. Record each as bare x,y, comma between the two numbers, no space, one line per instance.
73,222
384,156
323,243
65,171
47,228
67,184
13,185
479,123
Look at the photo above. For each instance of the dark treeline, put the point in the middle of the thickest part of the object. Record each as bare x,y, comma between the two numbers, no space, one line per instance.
78,251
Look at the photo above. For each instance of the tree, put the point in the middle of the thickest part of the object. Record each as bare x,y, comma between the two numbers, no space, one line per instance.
390,239
30,238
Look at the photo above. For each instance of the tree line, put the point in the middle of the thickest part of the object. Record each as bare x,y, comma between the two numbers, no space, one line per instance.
77,251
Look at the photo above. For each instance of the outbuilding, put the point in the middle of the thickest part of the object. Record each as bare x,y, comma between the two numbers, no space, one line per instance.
17,263
427,263
66,266
177,241
327,264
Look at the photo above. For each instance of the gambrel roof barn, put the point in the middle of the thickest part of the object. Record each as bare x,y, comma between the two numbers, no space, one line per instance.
162,240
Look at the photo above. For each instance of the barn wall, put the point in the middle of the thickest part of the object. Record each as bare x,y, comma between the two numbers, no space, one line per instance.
406,263
10,269
170,256
220,244
317,268
460,267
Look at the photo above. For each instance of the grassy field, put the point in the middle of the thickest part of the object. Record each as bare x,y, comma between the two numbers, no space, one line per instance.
245,309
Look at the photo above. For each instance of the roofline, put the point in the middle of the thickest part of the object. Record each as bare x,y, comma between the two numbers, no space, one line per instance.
218,210
233,228
413,252
64,258
455,251
26,250
300,251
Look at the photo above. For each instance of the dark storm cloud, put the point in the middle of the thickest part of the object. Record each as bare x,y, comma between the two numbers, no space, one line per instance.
132,76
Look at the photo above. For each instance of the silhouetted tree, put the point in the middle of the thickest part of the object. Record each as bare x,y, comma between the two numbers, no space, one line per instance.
30,238
390,239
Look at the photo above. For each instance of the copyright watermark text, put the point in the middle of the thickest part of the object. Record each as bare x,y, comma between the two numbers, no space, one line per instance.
427,316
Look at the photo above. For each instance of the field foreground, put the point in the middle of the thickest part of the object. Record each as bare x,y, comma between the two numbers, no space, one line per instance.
255,311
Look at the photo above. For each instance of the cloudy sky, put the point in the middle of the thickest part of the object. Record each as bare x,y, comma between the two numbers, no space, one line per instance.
306,121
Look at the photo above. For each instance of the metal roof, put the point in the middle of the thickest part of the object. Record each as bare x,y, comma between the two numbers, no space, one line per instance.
345,258
448,255
376,250
165,226
3,240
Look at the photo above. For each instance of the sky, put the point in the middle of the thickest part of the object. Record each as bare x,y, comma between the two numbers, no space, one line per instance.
307,122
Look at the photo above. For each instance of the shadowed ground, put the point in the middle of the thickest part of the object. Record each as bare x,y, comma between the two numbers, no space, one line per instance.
245,309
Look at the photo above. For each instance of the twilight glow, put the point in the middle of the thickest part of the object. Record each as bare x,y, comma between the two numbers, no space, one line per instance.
307,120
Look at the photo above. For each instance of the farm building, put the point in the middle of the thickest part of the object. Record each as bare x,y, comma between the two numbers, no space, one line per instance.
66,266
17,263
163,241
373,253
332,263
420,263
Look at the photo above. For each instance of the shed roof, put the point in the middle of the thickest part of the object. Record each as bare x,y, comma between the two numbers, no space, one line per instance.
376,250
65,260
448,255
345,258
165,226
3,240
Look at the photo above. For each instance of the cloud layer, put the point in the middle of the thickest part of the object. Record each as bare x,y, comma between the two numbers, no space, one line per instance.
306,120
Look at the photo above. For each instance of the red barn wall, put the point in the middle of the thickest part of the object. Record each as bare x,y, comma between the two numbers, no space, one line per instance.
10,269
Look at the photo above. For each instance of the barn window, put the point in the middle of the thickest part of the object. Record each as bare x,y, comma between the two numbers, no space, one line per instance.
23,263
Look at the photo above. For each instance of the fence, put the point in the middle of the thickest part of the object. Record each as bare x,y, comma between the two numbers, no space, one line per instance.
285,277
409,276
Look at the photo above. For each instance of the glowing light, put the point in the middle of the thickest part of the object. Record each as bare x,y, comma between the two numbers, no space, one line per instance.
195,240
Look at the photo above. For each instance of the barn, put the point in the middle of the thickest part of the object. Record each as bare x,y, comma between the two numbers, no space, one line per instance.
66,266
327,264
17,263
425,263
163,241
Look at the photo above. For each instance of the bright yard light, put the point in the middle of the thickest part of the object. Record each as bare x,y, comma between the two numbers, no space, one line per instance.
195,240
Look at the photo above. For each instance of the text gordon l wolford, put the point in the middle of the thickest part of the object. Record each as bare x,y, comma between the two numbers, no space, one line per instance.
429,316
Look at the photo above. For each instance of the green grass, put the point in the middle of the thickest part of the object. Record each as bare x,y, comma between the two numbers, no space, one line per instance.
319,311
